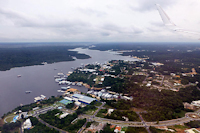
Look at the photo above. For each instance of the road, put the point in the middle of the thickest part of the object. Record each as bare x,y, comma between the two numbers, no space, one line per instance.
145,125
162,80
119,122
50,126
145,78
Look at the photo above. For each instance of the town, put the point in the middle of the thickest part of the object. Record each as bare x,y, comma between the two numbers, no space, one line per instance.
100,109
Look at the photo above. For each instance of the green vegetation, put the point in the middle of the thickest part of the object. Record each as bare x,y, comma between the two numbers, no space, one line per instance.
155,130
136,130
82,77
102,113
96,103
175,55
73,128
29,107
39,127
27,56
7,127
89,123
85,109
120,104
193,124
107,129
70,106
64,123
118,115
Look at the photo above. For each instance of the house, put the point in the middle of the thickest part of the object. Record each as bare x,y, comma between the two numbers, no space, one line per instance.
110,111
117,129
27,124
196,103
192,130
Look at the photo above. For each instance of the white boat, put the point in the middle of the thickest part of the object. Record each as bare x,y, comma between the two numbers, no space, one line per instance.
27,92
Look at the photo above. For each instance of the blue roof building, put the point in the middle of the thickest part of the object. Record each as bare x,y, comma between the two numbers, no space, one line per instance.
84,99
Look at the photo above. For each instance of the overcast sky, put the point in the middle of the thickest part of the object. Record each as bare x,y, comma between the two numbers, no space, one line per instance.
95,20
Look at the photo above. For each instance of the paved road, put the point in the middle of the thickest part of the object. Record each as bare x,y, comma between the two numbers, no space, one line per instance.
122,123
43,110
162,80
145,78
83,127
50,126
145,125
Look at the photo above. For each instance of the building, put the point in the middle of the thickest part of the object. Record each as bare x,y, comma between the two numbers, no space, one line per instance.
117,129
84,99
192,130
68,98
63,115
110,111
23,115
65,101
27,124
196,103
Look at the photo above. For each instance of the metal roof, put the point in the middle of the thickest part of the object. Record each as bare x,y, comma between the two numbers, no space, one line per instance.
84,98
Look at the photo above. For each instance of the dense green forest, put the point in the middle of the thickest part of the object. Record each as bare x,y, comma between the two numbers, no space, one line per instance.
27,56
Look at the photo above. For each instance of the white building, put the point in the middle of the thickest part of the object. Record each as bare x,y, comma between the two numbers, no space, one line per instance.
110,111
192,130
27,124
63,115
68,98
196,103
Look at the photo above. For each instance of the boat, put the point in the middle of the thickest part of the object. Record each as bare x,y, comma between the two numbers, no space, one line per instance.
60,91
27,92
19,76
65,88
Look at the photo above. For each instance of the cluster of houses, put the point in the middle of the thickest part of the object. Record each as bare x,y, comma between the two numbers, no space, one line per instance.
107,95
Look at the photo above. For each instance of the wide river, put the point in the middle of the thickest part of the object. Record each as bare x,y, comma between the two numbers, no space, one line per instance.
40,79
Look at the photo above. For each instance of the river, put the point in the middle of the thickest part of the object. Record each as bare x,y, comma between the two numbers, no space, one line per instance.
40,79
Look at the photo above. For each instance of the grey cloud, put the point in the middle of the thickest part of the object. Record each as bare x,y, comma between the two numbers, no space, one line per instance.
105,34
24,20
92,12
146,5
157,24
112,27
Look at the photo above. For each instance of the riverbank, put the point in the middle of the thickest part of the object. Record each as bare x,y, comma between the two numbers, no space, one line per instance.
40,79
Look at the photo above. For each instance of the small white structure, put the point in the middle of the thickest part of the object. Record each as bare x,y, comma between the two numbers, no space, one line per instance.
148,85
192,130
63,115
77,103
27,124
110,111
68,98
196,103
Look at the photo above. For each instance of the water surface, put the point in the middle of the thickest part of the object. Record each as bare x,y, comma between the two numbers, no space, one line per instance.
40,79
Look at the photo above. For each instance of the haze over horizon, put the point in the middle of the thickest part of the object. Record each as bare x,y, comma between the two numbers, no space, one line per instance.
95,21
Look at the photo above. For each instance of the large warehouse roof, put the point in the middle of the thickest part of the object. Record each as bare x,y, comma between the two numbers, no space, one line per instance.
84,99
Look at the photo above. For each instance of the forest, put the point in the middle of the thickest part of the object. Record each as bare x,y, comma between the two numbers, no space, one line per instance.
174,55
28,56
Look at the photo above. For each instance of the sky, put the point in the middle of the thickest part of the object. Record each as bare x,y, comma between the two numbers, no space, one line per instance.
96,20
